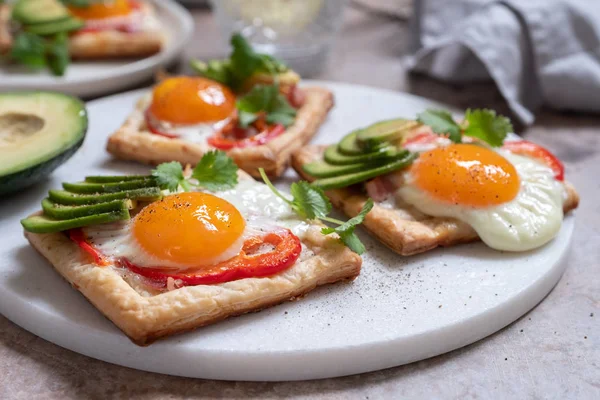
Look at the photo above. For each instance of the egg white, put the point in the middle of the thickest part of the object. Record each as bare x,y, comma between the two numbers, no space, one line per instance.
262,210
195,133
142,20
528,221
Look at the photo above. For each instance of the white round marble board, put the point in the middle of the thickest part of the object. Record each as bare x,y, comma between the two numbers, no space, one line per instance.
93,78
399,310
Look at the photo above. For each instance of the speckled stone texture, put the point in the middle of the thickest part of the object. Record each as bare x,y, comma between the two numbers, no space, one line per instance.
551,352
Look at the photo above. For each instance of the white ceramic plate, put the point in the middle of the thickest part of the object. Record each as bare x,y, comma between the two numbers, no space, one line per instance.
96,77
400,309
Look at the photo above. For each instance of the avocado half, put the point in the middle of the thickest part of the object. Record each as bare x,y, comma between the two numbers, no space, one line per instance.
38,132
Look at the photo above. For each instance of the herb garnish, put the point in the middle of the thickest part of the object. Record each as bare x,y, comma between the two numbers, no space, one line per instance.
38,52
241,65
215,171
266,99
482,124
310,202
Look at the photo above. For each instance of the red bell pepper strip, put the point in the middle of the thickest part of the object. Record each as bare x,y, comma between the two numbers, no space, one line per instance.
221,142
248,263
526,148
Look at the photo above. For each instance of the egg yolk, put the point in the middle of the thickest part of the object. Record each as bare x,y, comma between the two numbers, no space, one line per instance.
190,100
188,228
102,9
466,174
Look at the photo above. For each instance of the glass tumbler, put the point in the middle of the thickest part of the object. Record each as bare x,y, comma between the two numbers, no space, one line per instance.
299,32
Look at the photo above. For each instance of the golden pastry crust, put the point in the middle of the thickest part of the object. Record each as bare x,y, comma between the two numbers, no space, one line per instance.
404,229
115,44
146,316
133,141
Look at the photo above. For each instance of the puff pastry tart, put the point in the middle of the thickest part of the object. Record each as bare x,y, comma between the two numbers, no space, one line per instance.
116,29
248,106
95,30
159,262
441,189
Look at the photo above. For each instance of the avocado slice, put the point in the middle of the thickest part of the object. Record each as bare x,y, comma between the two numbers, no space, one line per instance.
51,28
333,156
116,178
383,132
60,211
357,177
68,198
39,11
40,131
88,188
43,224
322,169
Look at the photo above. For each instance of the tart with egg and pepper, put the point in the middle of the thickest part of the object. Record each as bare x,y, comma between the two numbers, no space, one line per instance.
436,182
248,105
176,250
49,33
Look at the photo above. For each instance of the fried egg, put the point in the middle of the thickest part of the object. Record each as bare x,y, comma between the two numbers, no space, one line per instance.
190,107
195,229
512,202
123,15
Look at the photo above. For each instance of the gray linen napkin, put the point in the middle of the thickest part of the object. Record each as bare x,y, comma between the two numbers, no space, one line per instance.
537,51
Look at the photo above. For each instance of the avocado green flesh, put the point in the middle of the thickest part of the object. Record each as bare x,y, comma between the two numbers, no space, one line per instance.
39,11
68,198
333,156
60,211
44,224
90,188
113,179
383,132
351,179
349,145
322,169
41,130
50,28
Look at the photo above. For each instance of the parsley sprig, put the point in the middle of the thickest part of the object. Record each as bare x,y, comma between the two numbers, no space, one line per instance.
241,65
482,124
38,52
215,171
265,99
311,203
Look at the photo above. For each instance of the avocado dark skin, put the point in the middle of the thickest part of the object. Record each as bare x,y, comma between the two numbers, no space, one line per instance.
19,180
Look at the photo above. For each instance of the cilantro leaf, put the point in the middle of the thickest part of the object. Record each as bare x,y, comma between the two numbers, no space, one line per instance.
240,66
265,98
244,60
352,241
441,122
38,52
282,112
29,49
352,222
216,171
309,201
346,230
58,54
484,124
169,175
